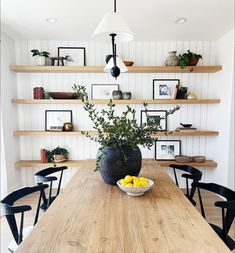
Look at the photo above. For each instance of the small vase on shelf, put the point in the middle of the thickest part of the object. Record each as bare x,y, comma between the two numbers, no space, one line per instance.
172,59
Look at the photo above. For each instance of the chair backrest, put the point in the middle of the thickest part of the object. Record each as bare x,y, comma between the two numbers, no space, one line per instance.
42,177
192,173
9,210
229,204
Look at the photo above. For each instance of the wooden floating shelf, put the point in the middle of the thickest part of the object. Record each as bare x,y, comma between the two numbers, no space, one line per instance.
100,69
206,164
94,133
121,102
78,163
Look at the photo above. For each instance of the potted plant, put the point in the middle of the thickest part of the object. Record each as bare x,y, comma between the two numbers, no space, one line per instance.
57,155
119,137
189,59
80,91
40,57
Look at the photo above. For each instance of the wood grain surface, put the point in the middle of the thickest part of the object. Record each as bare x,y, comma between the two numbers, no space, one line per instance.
90,216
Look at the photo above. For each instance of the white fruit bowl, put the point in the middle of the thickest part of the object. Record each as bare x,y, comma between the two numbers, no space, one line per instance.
136,191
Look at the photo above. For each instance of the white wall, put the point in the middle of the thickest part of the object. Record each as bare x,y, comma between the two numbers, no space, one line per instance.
204,85
10,151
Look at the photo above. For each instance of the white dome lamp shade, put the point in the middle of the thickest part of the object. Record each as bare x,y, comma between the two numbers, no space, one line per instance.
112,23
119,63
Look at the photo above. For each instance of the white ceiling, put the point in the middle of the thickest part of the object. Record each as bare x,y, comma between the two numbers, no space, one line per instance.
148,19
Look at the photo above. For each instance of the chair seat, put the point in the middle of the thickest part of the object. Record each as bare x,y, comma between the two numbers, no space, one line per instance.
229,241
44,205
12,247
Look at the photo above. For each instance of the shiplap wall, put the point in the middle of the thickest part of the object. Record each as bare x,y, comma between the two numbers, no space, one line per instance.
32,117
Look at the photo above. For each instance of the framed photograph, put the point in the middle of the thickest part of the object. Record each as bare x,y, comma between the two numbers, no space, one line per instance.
167,149
103,91
74,56
156,118
55,119
165,88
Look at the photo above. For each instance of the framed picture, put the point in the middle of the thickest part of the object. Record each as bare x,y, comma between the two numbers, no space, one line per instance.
103,91
55,119
165,88
74,56
167,149
156,118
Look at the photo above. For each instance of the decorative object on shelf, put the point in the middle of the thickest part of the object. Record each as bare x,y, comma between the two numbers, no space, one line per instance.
40,57
57,61
117,94
186,125
189,59
55,119
191,96
199,159
43,155
167,149
80,90
182,93
62,95
126,95
183,159
73,56
67,127
154,118
128,63
38,93
57,155
103,91
135,191
113,26
172,59
165,88
119,153
47,95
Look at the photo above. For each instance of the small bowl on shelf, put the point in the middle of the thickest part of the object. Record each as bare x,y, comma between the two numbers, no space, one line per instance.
186,125
183,159
199,159
136,191
62,95
128,63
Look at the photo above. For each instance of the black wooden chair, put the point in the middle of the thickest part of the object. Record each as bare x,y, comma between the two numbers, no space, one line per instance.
9,210
227,206
193,174
42,177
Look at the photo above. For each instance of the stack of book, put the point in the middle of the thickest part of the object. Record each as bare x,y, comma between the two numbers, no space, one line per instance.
186,129
38,93
43,155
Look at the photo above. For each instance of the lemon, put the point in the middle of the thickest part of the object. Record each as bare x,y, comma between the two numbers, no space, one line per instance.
129,185
128,179
137,183
143,182
123,182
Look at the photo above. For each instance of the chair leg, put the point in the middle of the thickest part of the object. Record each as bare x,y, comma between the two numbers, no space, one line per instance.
201,204
176,180
49,198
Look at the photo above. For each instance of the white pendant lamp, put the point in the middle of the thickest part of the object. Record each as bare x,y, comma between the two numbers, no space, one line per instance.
113,26
119,63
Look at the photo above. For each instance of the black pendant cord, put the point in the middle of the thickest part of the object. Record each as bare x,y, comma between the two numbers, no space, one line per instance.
115,6
114,49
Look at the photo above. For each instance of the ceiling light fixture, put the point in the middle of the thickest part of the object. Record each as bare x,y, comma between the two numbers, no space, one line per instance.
181,21
113,26
51,20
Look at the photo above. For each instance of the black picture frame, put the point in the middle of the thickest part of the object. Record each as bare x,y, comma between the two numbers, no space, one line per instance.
166,159
95,85
76,48
164,80
142,113
70,116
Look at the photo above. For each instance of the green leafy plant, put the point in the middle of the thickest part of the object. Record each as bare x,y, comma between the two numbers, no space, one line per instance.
188,57
35,52
119,131
57,151
80,91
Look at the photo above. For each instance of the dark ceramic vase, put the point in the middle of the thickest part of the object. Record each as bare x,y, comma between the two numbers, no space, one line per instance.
113,167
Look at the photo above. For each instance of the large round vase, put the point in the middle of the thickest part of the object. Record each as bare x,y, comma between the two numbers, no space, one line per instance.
113,167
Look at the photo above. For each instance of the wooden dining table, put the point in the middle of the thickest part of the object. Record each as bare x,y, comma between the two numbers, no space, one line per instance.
93,217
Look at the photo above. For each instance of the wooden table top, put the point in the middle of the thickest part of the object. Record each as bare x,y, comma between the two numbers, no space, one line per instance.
90,216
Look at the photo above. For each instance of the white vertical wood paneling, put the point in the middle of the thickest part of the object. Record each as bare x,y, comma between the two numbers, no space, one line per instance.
142,53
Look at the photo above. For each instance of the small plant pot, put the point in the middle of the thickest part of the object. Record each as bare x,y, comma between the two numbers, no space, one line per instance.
126,95
40,60
117,94
59,158
193,62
